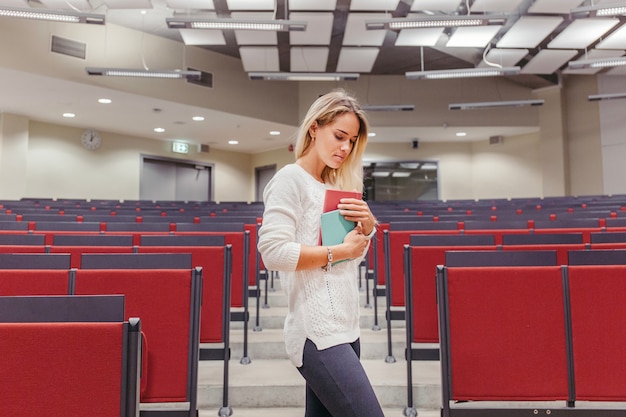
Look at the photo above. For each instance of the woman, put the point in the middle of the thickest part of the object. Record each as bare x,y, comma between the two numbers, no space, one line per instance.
322,323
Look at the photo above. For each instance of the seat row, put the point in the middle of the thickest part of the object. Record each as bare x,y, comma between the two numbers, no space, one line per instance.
247,275
110,205
386,270
69,356
184,311
522,335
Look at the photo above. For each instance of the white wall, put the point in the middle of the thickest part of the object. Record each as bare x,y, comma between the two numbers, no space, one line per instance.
59,167
512,169
612,114
567,157
13,155
584,147
466,171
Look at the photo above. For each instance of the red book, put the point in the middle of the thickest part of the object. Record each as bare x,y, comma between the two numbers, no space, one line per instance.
331,200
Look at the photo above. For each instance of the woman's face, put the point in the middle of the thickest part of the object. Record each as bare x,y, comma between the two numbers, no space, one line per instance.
335,140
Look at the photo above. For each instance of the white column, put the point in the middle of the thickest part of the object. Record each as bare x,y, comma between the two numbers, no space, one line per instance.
13,156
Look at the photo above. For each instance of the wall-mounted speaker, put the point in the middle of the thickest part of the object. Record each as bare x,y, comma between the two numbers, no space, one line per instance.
415,144
496,140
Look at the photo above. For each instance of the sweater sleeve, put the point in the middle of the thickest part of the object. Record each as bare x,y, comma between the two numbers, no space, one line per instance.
277,235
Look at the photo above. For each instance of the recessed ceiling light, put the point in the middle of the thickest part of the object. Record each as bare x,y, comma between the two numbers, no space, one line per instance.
198,118
159,129
460,134
371,134
274,132
233,142
69,115
104,100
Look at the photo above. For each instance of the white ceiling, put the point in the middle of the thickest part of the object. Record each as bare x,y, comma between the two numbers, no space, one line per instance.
540,36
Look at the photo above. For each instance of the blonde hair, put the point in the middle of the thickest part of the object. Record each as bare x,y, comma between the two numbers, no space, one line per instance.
324,110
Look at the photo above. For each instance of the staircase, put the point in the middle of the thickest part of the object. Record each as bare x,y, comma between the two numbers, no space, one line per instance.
270,385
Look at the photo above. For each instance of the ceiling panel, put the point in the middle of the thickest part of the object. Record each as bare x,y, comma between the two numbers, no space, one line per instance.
356,59
202,37
419,37
150,21
128,4
15,3
374,5
547,61
64,5
255,37
312,4
312,59
528,32
190,4
504,57
501,6
250,4
319,28
446,6
582,32
616,40
539,22
356,34
257,58
593,54
554,6
472,37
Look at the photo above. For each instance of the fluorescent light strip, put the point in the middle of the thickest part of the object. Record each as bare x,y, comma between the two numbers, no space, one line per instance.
492,104
600,97
303,76
433,21
65,16
597,63
615,9
121,72
234,24
462,73
389,107
612,11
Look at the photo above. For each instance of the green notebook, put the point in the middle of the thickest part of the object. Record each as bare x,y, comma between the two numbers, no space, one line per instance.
334,228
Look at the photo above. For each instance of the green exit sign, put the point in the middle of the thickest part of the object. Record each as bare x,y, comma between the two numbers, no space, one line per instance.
180,147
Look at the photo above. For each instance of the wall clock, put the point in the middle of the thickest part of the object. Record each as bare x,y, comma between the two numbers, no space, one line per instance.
91,139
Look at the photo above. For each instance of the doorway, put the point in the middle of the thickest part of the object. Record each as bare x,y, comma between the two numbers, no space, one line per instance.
262,176
166,179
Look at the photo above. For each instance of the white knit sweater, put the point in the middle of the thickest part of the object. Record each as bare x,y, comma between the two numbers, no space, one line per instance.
322,306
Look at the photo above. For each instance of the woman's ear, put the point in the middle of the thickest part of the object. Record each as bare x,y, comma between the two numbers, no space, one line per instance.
313,130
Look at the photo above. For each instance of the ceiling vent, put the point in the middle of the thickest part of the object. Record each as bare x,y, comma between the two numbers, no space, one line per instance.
206,78
68,47
203,148
496,140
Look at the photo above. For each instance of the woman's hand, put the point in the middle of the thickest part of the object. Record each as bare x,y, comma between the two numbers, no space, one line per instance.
355,243
357,210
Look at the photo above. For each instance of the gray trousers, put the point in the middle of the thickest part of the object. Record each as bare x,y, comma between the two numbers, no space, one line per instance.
336,383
